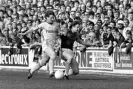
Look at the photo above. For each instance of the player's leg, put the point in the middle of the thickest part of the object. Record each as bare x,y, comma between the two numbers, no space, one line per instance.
51,53
43,61
75,67
67,54
37,56
38,64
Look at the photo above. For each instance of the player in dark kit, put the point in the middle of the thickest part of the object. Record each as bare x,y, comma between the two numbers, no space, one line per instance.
68,38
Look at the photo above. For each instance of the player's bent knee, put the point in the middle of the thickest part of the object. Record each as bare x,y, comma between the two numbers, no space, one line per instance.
69,59
42,62
53,56
76,72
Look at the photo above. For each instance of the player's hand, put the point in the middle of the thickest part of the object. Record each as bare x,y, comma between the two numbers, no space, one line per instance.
82,48
114,44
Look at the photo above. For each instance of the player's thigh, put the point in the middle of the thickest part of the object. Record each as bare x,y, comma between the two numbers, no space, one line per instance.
75,67
67,54
44,59
50,52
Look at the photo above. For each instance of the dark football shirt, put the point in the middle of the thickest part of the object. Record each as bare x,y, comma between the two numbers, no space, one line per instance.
68,40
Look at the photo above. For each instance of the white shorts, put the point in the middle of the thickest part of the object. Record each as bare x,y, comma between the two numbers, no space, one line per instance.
49,43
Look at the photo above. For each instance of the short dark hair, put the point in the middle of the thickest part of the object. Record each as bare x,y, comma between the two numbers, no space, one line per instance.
71,2
78,19
1,11
62,5
117,11
109,27
76,2
74,23
115,29
42,7
62,22
91,23
113,22
48,13
91,13
57,5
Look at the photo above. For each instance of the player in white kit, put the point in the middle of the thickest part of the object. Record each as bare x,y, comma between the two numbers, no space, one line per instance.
48,38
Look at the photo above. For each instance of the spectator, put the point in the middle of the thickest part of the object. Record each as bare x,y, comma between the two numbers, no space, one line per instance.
99,18
128,42
24,27
118,37
91,38
117,41
120,26
106,37
91,27
97,31
116,15
130,18
126,27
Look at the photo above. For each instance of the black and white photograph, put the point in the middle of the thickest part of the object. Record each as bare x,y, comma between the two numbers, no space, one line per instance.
66,44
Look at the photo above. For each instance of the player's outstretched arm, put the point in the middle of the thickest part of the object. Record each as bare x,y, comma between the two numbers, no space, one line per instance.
30,30
88,44
37,43
34,44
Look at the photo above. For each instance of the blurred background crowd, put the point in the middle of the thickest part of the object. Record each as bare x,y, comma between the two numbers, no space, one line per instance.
108,21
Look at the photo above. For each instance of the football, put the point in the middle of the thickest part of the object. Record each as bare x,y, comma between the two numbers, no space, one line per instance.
70,72
59,74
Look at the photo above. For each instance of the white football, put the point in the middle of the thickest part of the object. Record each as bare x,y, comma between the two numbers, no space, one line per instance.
59,74
70,72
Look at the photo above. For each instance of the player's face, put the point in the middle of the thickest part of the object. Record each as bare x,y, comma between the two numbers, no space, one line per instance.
75,28
64,29
50,19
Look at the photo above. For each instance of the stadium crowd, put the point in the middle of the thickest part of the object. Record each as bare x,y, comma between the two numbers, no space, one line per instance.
104,23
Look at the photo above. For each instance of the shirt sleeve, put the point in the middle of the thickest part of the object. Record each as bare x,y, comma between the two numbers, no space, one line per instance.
42,25
77,36
111,38
62,37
